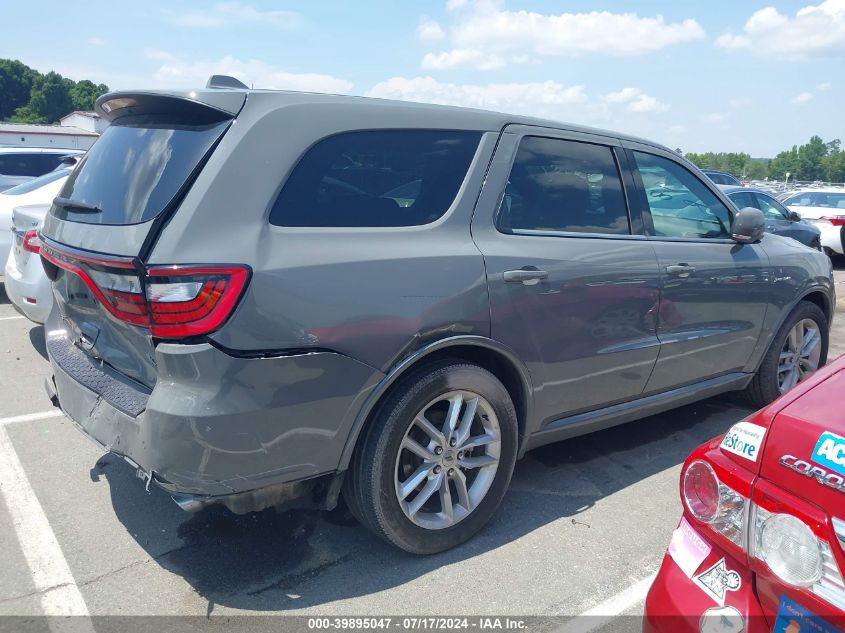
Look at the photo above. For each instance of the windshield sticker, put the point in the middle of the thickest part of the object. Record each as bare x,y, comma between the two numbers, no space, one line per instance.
688,548
744,439
830,452
793,618
718,580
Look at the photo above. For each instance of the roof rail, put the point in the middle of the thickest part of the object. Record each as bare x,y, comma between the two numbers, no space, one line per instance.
225,81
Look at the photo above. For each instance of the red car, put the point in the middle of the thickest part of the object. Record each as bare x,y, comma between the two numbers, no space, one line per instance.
761,544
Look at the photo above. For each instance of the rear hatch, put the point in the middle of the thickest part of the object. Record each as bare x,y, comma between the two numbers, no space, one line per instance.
106,218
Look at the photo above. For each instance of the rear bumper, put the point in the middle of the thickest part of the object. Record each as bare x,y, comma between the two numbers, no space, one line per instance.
215,425
29,290
675,604
831,237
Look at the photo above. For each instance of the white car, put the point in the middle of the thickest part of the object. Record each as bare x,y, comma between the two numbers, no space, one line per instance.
27,286
824,207
21,164
40,190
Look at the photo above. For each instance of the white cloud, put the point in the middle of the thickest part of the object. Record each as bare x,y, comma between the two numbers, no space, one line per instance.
804,97
234,13
535,98
677,130
186,73
815,31
824,86
429,31
716,117
636,101
97,41
485,36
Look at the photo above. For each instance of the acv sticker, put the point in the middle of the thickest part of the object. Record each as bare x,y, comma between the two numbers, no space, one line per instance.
744,439
830,452
718,580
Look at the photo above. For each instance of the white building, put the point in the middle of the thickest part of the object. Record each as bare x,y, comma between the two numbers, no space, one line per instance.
77,130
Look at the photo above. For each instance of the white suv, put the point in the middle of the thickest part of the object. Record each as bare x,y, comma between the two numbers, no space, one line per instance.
825,208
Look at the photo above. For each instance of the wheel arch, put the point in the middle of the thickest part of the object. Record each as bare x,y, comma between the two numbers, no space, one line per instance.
482,351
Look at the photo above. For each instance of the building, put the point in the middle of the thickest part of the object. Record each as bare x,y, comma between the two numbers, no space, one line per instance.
77,130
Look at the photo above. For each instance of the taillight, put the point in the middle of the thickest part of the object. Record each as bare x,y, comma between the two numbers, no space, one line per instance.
191,300
835,220
31,243
172,301
712,502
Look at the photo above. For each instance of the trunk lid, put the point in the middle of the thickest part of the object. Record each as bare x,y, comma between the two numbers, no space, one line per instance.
24,219
107,216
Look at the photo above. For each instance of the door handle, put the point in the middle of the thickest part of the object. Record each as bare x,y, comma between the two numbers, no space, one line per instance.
525,276
680,270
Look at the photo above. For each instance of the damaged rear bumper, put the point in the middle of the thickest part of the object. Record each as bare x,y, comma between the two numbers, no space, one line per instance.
243,432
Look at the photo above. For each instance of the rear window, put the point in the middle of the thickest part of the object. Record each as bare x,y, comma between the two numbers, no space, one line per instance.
134,171
25,164
37,183
376,178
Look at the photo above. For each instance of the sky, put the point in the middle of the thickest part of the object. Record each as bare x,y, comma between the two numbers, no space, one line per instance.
739,75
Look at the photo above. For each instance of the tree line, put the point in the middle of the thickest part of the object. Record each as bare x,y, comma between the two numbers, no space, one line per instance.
812,161
27,96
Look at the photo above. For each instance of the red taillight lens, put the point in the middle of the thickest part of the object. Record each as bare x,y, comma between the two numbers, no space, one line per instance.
172,301
31,243
835,220
701,491
191,300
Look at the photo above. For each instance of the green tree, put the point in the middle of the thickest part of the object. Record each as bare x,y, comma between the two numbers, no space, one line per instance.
16,80
49,100
810,159
84,93
783,163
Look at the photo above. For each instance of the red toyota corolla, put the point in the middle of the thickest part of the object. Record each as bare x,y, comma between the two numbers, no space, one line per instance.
761,544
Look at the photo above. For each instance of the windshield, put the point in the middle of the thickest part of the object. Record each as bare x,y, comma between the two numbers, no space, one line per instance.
817,199
134,171
37,183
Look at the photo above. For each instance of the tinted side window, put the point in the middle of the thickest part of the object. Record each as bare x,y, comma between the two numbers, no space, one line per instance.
771,208
376,178
743,199
21,165
680,204
558,185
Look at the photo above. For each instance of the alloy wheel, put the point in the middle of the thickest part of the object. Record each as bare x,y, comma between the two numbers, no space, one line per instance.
800,354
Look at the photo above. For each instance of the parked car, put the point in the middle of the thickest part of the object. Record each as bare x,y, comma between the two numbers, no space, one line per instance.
760,544
779,219
21,164
26,284
248,332
721,177
824,207
39,190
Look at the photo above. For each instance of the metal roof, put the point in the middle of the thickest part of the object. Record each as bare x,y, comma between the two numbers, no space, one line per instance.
29,128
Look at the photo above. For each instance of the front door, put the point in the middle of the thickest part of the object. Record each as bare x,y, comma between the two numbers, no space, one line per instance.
572,291
714,291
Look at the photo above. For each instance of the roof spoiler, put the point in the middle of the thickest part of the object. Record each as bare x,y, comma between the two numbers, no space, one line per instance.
225,81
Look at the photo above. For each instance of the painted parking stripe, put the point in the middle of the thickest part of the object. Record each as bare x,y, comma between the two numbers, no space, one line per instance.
47,565
29,417
11,317
601,614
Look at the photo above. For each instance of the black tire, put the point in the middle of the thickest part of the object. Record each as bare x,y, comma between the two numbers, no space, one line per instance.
764,388
371,485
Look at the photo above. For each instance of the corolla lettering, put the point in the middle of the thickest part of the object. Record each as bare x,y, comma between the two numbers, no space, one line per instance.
831,480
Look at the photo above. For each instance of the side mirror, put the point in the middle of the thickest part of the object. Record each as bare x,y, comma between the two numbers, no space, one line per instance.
749,226
794,217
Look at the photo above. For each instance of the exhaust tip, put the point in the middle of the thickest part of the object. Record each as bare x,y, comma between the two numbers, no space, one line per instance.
189,503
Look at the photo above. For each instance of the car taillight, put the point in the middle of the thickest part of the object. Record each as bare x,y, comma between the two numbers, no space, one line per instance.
31,243
715,504
795,549
835,220
174,301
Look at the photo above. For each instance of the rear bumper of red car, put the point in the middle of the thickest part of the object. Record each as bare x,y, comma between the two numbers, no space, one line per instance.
676,604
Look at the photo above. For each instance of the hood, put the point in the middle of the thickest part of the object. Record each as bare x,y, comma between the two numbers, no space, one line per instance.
805,449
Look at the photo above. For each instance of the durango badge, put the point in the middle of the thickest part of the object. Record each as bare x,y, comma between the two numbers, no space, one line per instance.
830,452
744,439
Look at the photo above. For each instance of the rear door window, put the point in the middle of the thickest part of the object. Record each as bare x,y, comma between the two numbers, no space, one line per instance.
743,199
134,171
564,186
376,178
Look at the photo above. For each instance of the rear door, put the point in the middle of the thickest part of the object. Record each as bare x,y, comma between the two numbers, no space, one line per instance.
106,217
573,286
714,292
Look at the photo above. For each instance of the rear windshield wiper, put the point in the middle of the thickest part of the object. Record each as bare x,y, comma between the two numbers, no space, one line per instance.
82,207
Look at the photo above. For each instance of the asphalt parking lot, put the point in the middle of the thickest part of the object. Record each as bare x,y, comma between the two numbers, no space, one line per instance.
584,525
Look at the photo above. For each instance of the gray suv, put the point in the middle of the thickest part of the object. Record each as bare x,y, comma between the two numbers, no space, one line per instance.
268,298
